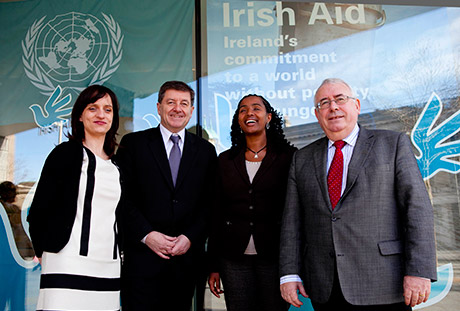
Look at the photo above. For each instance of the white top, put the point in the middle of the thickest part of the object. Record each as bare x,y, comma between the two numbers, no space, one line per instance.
252,168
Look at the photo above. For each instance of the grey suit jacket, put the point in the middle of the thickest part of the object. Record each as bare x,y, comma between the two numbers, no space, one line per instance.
381,229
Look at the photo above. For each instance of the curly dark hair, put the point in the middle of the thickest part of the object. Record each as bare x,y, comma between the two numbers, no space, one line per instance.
88,96
275,134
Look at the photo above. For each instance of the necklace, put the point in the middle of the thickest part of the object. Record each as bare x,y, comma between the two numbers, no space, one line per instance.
256,156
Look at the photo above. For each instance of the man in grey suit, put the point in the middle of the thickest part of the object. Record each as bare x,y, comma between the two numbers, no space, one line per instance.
358,223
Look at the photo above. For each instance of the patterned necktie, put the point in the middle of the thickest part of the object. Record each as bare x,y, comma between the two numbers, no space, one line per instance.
334,178
174,157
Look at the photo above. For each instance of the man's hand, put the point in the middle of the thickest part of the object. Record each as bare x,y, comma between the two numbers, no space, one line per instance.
214,284
416,290
182,245
161,244
289,293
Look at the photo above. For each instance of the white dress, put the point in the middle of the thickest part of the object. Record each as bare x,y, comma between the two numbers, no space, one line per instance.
85,274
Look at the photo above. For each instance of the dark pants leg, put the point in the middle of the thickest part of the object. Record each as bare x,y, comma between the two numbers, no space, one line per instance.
165,291
251,284
268,286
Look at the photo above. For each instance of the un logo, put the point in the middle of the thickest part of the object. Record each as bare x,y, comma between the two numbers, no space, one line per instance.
74,50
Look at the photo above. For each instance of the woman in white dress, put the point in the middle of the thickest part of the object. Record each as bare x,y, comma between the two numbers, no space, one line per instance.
73,223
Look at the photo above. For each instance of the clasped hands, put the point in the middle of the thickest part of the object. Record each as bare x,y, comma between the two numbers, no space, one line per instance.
165,246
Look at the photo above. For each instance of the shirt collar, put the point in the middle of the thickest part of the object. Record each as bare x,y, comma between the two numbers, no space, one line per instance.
166,134
350,139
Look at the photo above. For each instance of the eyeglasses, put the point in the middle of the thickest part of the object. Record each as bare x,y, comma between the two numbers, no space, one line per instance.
339,100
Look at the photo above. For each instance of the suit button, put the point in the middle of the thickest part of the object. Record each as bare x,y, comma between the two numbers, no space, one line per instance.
228,223
250,191
175,201
251,207
251,224
332,254
334,219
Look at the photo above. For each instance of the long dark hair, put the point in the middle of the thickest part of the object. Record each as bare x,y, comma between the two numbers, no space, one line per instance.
88,96
275,134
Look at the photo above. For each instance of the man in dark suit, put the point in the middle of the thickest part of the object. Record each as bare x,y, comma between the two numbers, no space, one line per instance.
167,177
358,223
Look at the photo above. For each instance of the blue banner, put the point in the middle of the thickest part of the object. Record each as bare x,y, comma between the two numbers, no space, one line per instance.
50,50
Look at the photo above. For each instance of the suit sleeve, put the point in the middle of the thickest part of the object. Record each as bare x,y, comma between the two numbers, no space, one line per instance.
215,221
290,240
51,211
41,203
198,228
135,225
413,200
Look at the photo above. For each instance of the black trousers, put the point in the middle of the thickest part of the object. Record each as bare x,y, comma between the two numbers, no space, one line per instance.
251,284
338,302
166,291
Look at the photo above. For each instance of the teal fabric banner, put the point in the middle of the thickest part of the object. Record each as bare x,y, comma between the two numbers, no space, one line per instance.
50,50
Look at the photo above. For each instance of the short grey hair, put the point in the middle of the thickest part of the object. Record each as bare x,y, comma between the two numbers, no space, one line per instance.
334,81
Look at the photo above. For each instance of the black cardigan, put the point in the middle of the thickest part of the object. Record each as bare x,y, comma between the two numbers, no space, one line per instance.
54,207
242,208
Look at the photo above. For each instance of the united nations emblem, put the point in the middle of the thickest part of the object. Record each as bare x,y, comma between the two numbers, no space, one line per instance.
73,50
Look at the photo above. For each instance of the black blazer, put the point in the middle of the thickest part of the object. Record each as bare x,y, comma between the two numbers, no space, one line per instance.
54,207
152,203
242,208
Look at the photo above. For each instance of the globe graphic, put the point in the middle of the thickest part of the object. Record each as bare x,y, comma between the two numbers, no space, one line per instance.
71,47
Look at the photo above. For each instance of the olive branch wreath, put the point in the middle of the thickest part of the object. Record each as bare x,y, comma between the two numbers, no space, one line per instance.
101,75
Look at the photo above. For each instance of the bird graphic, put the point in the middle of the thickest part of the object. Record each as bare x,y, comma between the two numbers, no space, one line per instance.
224,115
435,152
151,119
54,109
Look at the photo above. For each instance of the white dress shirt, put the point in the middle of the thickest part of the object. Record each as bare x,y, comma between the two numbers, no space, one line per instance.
166,134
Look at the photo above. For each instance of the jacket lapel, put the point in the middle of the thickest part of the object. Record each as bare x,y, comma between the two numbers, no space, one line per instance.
360,155
267,162
188,157
157,147
320,162
240,165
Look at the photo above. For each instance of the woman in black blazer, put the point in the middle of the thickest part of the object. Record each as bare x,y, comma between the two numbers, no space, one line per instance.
251,187
72,217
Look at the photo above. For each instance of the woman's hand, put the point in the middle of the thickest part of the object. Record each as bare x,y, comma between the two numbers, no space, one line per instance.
214,284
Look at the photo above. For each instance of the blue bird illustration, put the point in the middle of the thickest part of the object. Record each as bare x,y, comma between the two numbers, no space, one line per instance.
435,153
224,115
151,119
54,109
441,287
